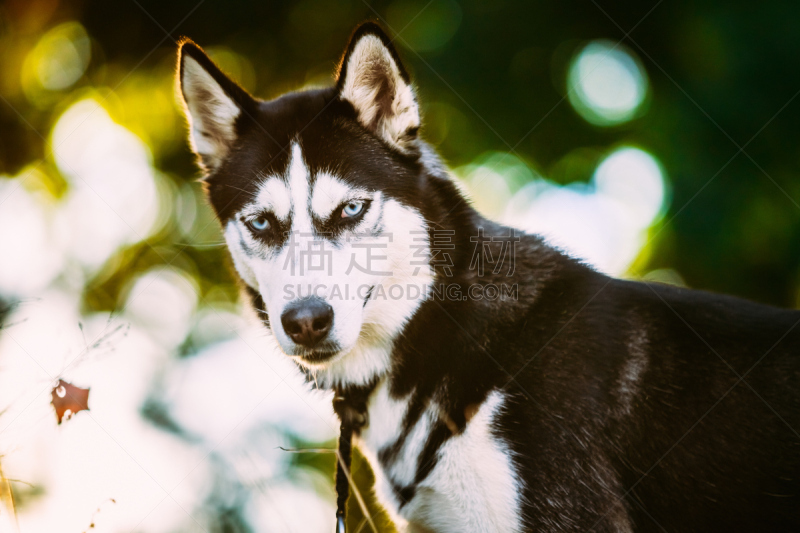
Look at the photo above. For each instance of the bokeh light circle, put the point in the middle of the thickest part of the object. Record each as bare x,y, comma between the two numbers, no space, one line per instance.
606,84
61,56
635,178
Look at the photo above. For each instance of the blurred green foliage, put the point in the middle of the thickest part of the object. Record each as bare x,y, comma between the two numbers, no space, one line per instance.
492,76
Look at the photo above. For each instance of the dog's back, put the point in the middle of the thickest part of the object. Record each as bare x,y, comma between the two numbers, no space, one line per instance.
626,406
681,404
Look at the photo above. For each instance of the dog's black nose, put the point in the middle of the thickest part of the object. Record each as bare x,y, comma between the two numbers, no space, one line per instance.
307,321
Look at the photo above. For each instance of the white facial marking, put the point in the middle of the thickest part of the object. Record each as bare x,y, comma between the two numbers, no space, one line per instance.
273,196
381,252
330,192
235,233
298,187
384,316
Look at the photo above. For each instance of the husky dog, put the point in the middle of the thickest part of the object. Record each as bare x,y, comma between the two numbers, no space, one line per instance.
501,385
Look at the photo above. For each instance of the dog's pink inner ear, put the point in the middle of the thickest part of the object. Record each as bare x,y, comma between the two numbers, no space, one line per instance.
377,87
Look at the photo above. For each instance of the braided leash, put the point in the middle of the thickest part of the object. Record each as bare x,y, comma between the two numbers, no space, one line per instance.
342,485
351,407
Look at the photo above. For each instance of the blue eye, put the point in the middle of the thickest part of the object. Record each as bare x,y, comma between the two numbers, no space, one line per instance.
352,209
259,224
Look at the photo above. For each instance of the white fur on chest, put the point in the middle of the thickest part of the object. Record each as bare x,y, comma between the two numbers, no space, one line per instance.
473,486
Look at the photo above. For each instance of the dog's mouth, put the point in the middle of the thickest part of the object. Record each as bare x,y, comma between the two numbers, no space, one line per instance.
316,357
322,353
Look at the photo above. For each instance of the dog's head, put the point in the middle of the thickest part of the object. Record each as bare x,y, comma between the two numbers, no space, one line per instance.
319,196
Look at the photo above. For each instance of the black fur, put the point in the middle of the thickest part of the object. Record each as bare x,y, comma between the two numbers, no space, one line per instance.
664,408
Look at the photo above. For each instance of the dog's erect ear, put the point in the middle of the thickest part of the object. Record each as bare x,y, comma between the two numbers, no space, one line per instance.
372,78
214,103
